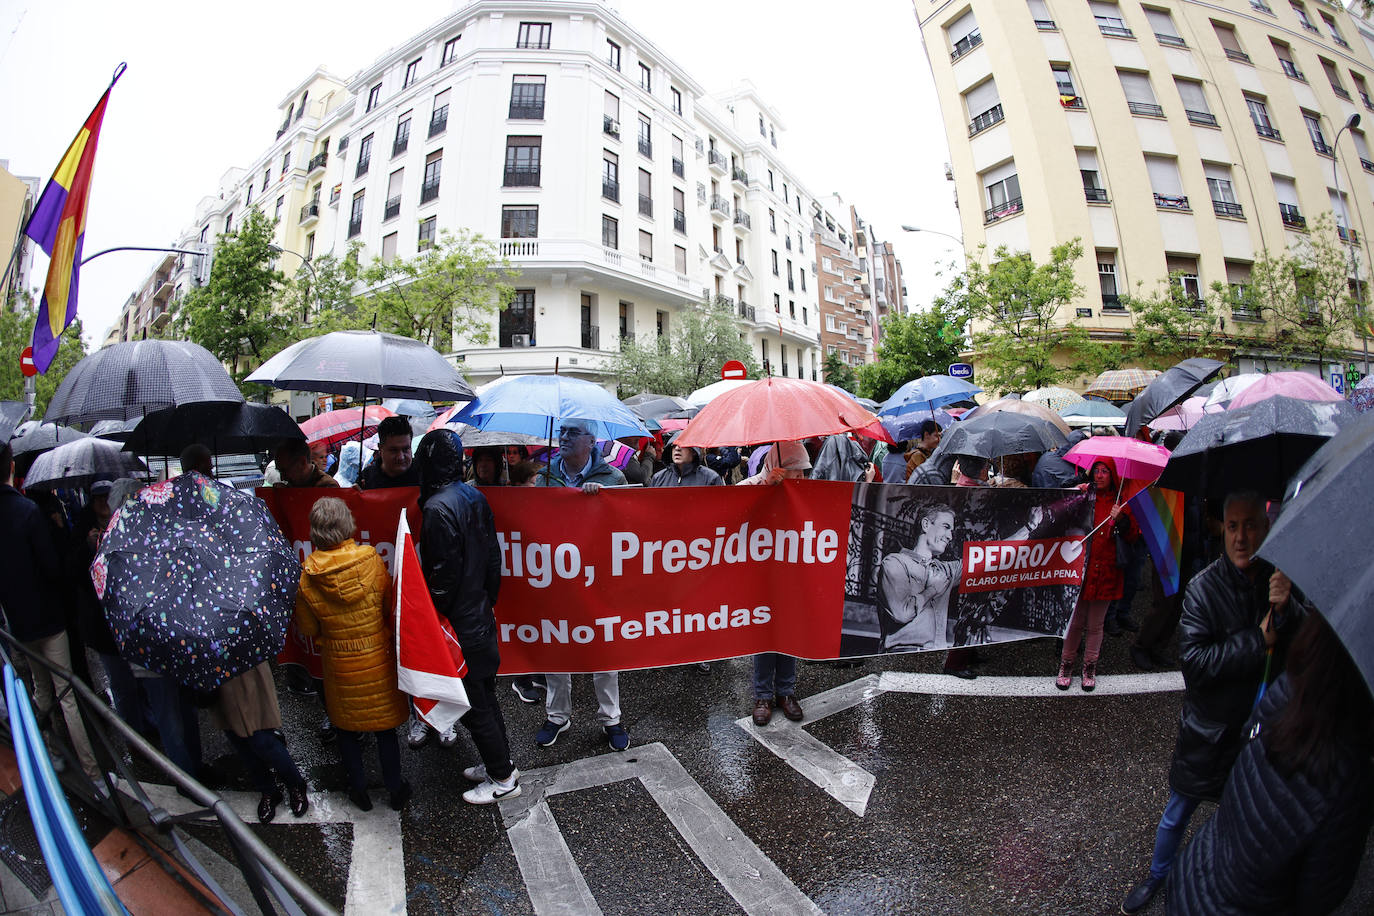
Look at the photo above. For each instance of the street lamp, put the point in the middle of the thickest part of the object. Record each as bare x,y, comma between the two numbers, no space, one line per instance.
314,280
1351,123
952,238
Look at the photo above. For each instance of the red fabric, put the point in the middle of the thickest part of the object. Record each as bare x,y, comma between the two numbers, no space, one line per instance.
1104,580
429,661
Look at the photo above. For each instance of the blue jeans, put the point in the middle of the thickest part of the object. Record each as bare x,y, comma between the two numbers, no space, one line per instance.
1172,825
774,675
177,721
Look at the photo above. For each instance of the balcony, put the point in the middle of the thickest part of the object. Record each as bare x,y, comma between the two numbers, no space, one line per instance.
559,255
430,189
716,160
1046,25
646,147
985,120
438,122
610,126
680,221
1368,102
966,44
742,220
1172,202
1113,28
400,145
1366,164
1172,41
1074,102
1111,302
526,111
310,212
1291,217
1268,132
1237,55
334,195
1320,146
610,189
747,311
1201,118
1310,27
392,209
355,226
591,337
1228,209
1095,195
1291,70
740,175
317,162
679,168
1261,6
1341,93
1349,236
363,165
1145,109
724,302
1245,313
1002,211
720,206
646,205
521,177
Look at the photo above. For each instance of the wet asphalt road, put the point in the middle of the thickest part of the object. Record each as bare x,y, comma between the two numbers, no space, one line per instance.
980,804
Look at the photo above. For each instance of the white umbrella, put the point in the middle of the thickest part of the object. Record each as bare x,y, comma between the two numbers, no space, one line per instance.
703,396
1228,388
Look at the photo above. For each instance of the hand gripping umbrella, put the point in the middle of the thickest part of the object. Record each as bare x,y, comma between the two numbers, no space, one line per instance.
196,580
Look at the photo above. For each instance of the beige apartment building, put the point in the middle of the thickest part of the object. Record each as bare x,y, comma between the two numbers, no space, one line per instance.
1171,137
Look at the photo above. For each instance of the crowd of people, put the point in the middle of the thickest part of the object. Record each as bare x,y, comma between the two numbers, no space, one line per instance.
1292,772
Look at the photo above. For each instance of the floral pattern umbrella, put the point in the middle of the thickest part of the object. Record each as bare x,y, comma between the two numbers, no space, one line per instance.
197,581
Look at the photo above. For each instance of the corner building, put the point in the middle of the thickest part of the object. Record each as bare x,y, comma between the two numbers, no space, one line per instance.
1171,137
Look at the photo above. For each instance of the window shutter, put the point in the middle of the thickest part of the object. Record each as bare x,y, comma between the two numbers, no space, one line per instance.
1194,99
981,97
1162,23
1285,191
1227,36
961,27
1137,87
1087,160
1164,176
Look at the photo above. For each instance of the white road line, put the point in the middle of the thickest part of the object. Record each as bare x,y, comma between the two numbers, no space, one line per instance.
551,875
376,870
850,784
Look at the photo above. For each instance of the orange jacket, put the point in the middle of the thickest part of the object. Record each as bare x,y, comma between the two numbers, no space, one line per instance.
340,602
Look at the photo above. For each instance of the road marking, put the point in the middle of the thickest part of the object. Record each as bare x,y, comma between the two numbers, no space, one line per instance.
376,869
556,884
850,784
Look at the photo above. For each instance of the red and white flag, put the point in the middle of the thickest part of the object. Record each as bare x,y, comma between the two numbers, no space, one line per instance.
429,661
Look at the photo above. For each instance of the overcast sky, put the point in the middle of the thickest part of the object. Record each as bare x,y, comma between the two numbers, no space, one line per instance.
850,81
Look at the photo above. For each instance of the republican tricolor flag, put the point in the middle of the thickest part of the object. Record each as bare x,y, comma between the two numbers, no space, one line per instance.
429,661
58,225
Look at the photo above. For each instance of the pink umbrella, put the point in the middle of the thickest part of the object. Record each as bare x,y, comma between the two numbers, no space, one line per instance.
1134,460
1180,417
1298,385
340,425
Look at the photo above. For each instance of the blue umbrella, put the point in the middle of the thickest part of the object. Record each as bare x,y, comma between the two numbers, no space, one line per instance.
927,393
536,405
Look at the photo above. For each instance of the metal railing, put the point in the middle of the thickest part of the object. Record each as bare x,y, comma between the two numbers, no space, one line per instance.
317,162
716,160
526,111
1348,235
1292,217
310,211
1321,147
1172,41
1226,208
1113,28
1095,195
400,144
610,125
1046,25
355,226
1291,70
742,219
1237,55
1171,202
1145,109
679,167
985,120
610,189
1072,101
646,147
430,189
966,44
521,177
746,311
1204,118
646,205
438,122
273,885
720,205
1269,132
363,165
1001,211
680,220
393,208
591,337
740,175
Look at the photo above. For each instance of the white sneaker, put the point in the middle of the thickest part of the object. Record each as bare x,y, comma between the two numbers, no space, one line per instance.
418,733
449,737
490,792
479,773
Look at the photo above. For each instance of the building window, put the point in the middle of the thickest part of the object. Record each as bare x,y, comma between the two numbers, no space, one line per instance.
374,96
355,216
428,227
522,162
519,222
1222,191
963,35
984,107
281,202
610,232
1063,81
646,136
450,51
1314,130
784,193
1183,276
1166,33
772,222
662,323
1106,281
517,319
402,141
285,163
1301,13
1259,116
680,259
389,246
610,176
627,320
1227,36
249,199
679,210
393,195
434,164
412,73
310,246
775,263
364,156
676,97
534,35
613,54
527,97
1003,190
646,78
266,177
646,246
679,165
438,121
646,197
770,181
1140,96
1164,180
229,224
1195,102
1092,181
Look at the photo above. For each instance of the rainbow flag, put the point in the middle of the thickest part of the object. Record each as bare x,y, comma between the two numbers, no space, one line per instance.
1159,513
58,225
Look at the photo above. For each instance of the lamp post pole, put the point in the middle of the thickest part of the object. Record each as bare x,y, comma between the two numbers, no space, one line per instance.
952,238
1351,123
314,280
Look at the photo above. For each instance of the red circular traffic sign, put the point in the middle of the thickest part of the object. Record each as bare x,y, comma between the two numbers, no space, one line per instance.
26,365
734,369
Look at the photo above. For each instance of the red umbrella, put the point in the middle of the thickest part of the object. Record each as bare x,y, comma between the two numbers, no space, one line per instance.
778,410
340,425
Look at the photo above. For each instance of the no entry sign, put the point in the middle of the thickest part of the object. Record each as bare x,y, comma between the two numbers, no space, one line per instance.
734,369
26,365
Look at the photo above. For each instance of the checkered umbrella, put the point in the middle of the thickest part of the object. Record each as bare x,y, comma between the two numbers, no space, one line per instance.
1055,399
1121,384
128,380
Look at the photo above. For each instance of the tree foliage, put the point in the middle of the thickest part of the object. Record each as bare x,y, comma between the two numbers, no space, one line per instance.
702,339
16,333
836,371
1170,325
913,345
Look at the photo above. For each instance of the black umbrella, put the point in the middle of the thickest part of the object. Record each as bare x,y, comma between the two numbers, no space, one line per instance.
1322,532
996,434
127,380
12,413
197,581
659,406
226,429
1258,447
365,364
35,436
1173,387
120,430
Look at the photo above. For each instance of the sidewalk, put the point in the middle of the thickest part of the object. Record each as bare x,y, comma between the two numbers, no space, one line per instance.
145,878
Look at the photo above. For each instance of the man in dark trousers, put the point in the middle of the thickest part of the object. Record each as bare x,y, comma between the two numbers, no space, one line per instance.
461,561
1235,612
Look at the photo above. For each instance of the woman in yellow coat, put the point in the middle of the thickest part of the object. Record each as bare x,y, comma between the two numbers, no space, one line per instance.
341,603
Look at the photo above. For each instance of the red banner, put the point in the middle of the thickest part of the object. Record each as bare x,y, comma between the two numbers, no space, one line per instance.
990,565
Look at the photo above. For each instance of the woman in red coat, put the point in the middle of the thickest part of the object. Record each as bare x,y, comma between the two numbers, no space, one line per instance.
1103,580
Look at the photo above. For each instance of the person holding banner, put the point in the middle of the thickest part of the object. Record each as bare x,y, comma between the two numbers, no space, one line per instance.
343,589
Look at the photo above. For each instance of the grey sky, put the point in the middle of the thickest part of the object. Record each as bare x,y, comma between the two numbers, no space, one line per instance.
850,81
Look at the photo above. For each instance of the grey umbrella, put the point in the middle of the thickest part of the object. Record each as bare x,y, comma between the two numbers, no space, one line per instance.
36,436
1173,387
81,463
12,413
118,430
658,406
1319,538
365,364
127,380
996,434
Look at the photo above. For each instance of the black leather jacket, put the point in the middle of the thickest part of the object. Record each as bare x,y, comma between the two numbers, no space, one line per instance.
1222,654
459,553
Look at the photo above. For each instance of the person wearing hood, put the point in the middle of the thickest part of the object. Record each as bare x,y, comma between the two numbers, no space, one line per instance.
688,469
1053,471
341,602
841,458
461,561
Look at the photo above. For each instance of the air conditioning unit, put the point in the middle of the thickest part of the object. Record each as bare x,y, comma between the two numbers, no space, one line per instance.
520,340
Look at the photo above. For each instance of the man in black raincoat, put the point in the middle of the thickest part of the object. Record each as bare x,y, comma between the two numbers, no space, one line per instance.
461,562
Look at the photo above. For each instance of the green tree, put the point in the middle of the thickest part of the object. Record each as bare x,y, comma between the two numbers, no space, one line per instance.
16,333
1017,310
701,340
236,315
913,345
1171,325
836,371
